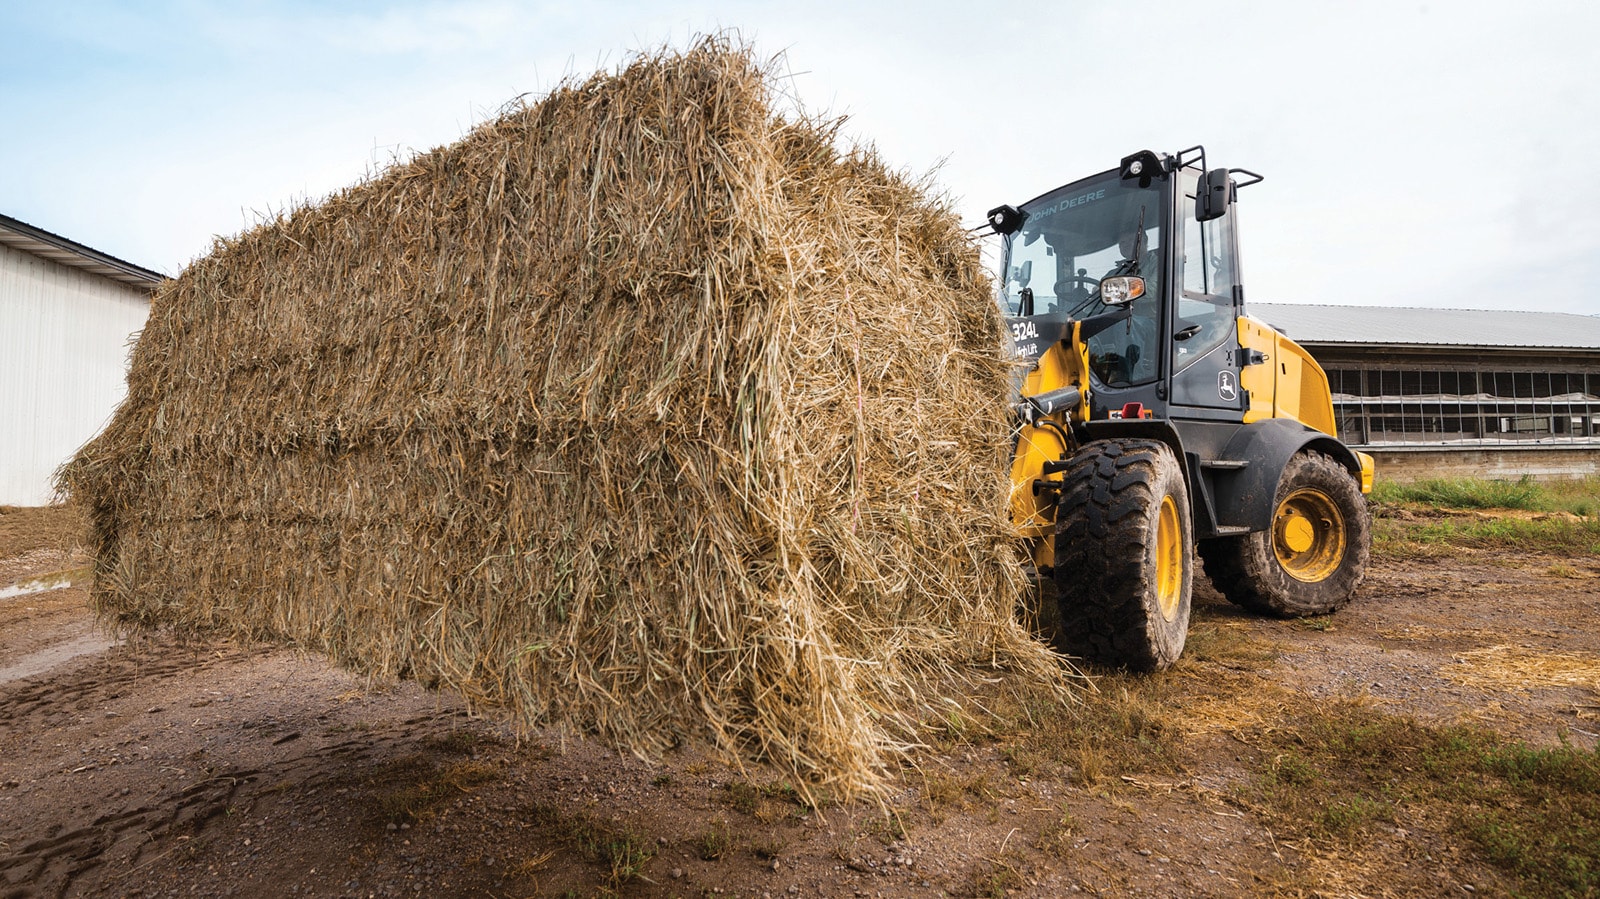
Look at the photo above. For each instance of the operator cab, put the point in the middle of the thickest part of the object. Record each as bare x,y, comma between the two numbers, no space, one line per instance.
1167,222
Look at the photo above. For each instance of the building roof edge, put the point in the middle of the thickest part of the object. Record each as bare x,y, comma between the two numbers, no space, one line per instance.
35,241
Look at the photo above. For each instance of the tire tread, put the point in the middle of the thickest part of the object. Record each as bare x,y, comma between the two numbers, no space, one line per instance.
1103,537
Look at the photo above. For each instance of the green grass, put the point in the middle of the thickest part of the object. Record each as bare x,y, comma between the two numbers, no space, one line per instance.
713,842
1578,496
766,802
624,852
1403,527
1467,493
1560,536
1348,773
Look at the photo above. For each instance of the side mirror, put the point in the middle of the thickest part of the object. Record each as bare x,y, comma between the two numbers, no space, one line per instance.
1121,290
1214,196
1023,273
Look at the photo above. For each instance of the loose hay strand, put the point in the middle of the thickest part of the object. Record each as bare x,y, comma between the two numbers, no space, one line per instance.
1507,667
643,410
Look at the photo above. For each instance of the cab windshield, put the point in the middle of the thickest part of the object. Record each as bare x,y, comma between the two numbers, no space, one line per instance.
1072,238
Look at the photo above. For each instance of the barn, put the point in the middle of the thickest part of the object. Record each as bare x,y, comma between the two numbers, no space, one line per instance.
68,314
1440,392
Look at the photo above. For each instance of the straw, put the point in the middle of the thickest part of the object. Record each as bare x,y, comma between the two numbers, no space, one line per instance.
644,410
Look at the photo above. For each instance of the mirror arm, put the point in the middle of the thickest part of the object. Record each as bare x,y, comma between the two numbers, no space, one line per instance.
1254,178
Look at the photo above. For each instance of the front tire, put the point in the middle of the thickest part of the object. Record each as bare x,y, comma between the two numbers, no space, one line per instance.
1312,558
1124,555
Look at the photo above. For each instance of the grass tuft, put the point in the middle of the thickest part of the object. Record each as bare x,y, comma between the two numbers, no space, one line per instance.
1468,493
412,786
623,852
1349,773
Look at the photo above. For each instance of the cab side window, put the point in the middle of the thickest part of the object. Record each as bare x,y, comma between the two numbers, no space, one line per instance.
1205,307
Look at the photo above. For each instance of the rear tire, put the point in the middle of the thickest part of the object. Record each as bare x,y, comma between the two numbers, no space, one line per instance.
1314,556
1124,555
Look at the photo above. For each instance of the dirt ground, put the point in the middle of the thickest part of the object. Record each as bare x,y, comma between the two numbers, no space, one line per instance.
156,767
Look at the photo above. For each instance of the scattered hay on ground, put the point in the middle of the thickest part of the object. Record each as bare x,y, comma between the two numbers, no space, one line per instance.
1520,668
644,409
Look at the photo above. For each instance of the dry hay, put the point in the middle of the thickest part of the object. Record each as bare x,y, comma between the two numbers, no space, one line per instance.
643,410
1506,667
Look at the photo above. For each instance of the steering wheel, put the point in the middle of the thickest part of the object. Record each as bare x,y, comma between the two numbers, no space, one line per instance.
1069,295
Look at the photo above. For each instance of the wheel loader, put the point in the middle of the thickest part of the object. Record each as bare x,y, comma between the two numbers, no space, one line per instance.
1157,423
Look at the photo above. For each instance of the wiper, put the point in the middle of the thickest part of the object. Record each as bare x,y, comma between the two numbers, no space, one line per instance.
1138,246
1125,267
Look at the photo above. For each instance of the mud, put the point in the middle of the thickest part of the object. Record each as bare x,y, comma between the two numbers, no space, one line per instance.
161,767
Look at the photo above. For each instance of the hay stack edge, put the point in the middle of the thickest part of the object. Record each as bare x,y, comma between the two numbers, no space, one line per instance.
644,410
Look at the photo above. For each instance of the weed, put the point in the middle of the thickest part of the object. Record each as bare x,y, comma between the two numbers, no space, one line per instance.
844,848
1090,767
1024,758
994,879
939,789
1056,837
768,847
528,866
410,787
888,829
624,853
1563,570
661,780
713,842
1351,816
767,803
956,726
1291,770
627,855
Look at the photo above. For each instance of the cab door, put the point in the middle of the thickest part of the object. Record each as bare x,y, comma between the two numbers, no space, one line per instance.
1204,337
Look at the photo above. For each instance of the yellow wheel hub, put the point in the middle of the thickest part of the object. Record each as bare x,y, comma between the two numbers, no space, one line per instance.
1169,559
1308,535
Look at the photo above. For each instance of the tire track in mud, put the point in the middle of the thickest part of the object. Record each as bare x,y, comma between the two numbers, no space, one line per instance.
50,865
111,677
58,850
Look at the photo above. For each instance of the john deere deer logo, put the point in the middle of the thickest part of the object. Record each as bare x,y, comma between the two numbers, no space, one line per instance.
1227,385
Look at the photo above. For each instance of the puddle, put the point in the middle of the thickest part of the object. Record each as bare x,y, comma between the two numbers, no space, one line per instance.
31,587
54,656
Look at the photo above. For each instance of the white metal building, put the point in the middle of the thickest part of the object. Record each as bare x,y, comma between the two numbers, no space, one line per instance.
1458,391
68,316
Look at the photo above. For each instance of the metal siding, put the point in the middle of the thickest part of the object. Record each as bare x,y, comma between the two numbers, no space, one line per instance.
64,341
1430,327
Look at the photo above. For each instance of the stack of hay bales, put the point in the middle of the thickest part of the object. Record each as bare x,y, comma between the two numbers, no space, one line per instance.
643,410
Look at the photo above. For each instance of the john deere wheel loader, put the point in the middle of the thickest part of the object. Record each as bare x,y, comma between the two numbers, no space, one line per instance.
1157,422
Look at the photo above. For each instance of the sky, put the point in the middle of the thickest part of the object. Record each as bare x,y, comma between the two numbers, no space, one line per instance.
1414,153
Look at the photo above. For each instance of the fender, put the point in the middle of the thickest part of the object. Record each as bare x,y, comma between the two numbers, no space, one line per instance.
1245,495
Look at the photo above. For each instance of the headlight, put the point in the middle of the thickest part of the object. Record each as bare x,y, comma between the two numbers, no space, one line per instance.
1121,290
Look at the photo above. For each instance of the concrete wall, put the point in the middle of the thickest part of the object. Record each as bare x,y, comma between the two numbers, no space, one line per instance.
64,341
1491,463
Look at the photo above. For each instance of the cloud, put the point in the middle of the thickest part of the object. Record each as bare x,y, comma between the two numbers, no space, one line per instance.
1413,153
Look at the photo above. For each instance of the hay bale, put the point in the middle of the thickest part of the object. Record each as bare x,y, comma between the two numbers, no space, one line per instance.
643,410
